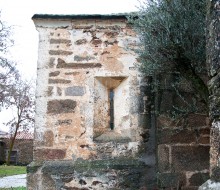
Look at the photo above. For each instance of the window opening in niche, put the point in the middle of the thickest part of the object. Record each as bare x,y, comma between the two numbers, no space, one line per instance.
111,96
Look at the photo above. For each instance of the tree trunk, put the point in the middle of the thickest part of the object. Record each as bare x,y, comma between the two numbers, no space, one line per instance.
12,141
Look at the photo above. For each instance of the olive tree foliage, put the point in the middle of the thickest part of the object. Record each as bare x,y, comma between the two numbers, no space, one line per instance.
8,71
172,39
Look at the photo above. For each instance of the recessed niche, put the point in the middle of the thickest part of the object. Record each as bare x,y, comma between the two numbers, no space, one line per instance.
111,108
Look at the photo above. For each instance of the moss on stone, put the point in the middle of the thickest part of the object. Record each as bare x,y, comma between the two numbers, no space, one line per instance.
34,166
81,165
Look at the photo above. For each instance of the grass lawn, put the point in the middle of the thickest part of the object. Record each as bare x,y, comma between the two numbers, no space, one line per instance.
12,170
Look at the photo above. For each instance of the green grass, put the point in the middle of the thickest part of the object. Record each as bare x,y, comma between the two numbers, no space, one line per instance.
12,170
14,188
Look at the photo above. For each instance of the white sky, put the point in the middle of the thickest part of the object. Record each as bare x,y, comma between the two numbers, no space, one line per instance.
19,12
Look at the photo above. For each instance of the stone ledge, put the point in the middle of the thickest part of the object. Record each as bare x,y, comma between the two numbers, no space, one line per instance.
120,173
112,136
68,166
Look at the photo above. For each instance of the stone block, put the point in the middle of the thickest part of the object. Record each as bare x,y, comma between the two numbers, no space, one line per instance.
59,81
54,74
204,131
81,41
75,91
48,138
50,90
63,64
197,120
59,91
51,62
48,183
171,180
204,140
166,102
49,154
61,106
96,42
173,136
190,158
83,58
163,158
64,122
60,52
164,121
198,179
59,41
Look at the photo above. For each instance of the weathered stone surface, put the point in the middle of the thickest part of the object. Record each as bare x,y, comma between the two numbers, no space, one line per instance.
118,174
198,179
61,106
213,31
204,140
215,145
51,62
210,185
64,122
60,52
112,136
75,91
164,157
171,180
54,74
72,73
59,91
96,42
204,131
57,81
190,158
48,138
215,175
49,154
173,136
63,64
196,120
100,50
50,91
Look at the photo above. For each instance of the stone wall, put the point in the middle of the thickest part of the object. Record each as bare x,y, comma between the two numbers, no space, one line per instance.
24,148
72,110
81,59
183,139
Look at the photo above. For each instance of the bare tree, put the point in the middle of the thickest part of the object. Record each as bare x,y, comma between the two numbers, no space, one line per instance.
22,103
8,71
